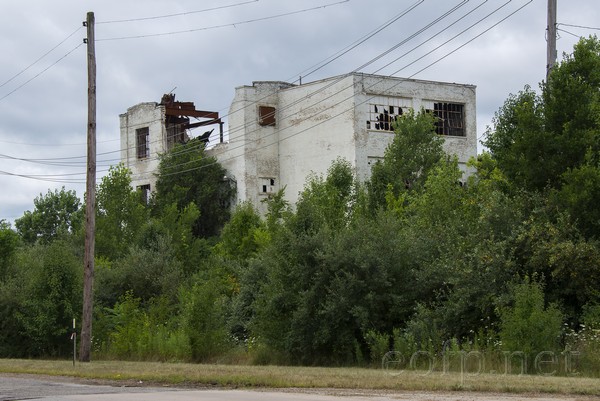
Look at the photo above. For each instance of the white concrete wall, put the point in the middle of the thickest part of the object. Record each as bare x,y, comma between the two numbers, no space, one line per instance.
316,127
252,152
149,115
416,94
320,121
316,123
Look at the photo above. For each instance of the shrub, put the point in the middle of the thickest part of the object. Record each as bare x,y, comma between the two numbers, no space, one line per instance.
528,326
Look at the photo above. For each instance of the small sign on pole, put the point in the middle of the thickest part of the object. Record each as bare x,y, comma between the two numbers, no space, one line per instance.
74,339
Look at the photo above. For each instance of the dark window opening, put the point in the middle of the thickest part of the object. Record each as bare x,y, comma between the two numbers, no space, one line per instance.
145,193
143,142
266,116
175,127
450,119
383,117
267,185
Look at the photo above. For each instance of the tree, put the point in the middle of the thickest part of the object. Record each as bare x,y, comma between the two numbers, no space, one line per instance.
415,149
9,241
56,215
51,298
243,235
579,194
529,326
536,139
326,201
120,213
186,175
518,141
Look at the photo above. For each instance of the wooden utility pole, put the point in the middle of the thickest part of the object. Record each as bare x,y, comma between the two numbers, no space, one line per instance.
90,205
551,39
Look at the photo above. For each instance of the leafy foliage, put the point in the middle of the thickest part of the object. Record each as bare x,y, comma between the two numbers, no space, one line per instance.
9,241
529,326
56,215
536,139
47,290
419,258
415,149
120,213
186,175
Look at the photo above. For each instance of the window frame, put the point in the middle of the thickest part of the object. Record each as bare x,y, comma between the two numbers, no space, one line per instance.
142,142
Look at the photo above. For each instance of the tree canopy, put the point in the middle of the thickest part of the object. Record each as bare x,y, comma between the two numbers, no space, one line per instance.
186,175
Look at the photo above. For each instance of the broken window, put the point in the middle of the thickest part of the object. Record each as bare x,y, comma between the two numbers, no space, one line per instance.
175,131
450,119
143,142
384,111
266,116
267,185
145,193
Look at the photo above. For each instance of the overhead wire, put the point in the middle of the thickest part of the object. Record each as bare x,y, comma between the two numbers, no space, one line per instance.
400,80
357,43
55,144
345,50
388,64
175,15
578,26
46,179
40,58
157,17
234,24
570,33
41,72
323,63
337,80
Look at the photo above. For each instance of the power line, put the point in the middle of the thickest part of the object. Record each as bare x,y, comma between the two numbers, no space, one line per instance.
308,96
55,144
370,98
579,26
40,58
335,81
47,179
404,41
357,43
41,72
327,61
570,33
175,15
234,24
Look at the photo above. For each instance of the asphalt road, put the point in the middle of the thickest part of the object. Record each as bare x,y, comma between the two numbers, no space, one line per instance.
17,387
21,387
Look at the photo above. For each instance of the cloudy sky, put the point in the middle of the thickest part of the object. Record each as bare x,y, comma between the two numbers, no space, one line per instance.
203,49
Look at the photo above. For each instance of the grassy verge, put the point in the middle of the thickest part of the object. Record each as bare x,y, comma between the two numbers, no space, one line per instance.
301,377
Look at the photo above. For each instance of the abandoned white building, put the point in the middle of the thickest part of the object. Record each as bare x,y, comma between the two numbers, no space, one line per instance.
279,133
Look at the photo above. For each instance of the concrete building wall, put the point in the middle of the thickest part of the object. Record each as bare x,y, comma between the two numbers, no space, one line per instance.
316,127
375,90
278,133
144,115
321,121
251,155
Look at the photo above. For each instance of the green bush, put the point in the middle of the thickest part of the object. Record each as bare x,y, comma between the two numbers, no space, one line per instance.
50,281
528,326
379,345
203,320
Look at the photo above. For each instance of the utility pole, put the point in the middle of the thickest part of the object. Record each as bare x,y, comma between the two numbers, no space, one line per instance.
90,205
551,39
